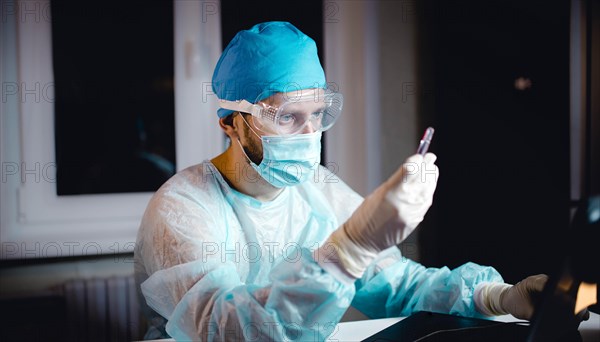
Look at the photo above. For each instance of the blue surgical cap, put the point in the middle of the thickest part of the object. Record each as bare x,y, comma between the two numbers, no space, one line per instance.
269,58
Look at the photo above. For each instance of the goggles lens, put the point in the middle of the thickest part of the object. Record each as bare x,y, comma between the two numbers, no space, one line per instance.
293,113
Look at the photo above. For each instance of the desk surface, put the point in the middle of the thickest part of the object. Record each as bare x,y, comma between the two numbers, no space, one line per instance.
359,330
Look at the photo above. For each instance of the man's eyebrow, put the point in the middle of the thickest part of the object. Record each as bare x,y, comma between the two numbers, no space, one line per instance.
301,111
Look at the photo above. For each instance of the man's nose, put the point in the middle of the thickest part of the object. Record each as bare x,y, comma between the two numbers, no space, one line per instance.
308,128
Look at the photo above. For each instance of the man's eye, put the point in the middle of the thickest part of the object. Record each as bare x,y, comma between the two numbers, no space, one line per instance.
316,115
286,119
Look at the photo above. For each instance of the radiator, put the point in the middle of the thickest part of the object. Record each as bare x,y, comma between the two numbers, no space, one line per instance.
103,310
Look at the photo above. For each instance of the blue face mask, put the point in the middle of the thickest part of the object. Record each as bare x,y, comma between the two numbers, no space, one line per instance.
289,161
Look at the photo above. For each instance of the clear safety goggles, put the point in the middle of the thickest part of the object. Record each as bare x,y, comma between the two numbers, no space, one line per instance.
304,111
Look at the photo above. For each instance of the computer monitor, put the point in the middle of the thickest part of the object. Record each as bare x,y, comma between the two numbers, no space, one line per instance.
554,314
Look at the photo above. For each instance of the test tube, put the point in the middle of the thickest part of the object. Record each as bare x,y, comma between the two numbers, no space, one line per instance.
425,141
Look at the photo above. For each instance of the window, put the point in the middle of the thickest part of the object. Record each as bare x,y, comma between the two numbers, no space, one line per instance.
114,110
35,220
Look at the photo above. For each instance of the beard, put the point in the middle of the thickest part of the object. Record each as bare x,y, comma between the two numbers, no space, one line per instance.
252,146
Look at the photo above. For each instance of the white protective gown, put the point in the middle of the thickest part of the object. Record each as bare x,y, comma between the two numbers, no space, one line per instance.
215,264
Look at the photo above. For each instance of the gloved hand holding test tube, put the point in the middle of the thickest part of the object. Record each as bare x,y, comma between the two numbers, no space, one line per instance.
385,218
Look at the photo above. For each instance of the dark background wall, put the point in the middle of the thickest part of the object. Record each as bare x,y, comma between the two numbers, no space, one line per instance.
307,16
496,85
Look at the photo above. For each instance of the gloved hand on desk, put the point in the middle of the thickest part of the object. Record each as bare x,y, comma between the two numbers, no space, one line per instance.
384,219
494,299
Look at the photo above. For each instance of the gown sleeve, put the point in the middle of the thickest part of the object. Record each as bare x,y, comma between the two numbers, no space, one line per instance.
397,286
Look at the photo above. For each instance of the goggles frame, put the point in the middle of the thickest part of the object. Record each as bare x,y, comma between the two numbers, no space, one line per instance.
275,120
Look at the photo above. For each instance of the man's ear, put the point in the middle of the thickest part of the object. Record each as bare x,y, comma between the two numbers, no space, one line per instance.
228,126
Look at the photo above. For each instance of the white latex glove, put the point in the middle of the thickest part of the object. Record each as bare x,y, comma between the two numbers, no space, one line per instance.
384,219
495,299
